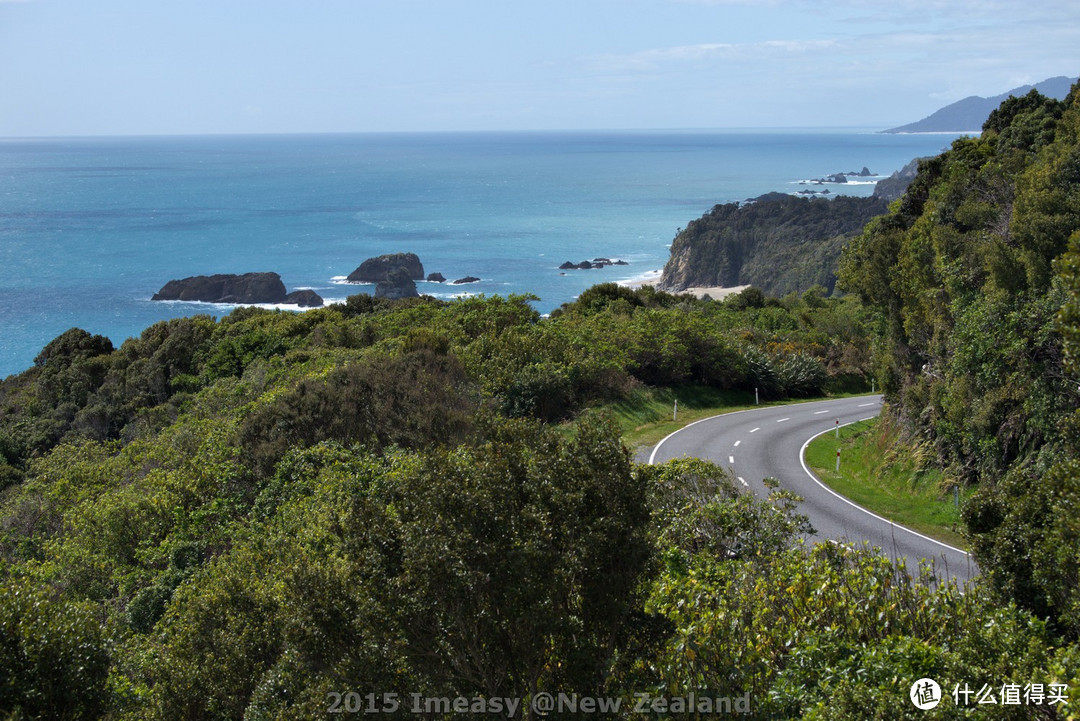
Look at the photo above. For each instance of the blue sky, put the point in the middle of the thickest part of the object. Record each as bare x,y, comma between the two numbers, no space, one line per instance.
120,67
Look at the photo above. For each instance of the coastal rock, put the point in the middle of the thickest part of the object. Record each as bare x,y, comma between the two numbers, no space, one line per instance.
304,298
436,278
377,269
891,188
397,285
466,279
225,288
591,264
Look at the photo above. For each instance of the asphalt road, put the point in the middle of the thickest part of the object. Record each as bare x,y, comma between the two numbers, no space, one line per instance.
769,442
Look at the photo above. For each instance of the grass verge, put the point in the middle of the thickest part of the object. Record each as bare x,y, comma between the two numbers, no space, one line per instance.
875,475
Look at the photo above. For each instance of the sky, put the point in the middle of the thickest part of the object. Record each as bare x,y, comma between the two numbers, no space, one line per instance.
147,67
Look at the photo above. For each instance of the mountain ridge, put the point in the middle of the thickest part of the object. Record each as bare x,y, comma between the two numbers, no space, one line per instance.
970,113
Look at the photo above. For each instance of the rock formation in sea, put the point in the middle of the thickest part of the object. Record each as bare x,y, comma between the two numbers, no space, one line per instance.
591,264
239,289
376,269
466,279
397,284
306,298
436,278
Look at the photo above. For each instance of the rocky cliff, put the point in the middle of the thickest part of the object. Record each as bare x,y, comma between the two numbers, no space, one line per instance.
777,242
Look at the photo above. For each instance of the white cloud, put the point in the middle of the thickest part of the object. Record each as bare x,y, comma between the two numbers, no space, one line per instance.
658,58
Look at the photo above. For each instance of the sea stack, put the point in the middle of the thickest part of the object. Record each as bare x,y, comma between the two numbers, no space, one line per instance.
374,270
397,285
246,289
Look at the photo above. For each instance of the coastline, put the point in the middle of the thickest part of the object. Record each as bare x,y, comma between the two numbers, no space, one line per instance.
652,278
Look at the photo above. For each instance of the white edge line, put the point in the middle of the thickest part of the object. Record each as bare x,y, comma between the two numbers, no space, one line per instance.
743,481
652,456
802,460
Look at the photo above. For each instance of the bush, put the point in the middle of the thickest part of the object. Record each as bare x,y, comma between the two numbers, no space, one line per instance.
53,657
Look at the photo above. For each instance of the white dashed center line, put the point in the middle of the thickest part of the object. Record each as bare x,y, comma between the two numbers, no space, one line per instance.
737,443
743,481
783,419
755,430
731,460
864,405
818,413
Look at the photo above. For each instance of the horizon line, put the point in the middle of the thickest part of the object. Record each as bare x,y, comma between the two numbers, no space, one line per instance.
507,131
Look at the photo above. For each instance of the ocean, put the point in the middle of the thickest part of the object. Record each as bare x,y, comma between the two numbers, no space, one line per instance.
91,228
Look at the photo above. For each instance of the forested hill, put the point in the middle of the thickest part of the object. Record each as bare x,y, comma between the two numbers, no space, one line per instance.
779,243
976,276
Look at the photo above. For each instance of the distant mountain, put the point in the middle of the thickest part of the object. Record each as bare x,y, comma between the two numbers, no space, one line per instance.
970,113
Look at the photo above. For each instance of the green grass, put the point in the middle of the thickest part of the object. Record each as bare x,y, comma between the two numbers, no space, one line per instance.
891,484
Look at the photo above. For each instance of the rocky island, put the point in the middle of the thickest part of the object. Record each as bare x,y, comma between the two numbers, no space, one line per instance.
395,275
591,264
374,270
245,289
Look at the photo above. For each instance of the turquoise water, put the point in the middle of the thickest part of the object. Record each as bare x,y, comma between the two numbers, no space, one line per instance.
91,228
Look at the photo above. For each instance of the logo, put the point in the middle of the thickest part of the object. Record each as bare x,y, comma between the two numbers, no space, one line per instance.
925,694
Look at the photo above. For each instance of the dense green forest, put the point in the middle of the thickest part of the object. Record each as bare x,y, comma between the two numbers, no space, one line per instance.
974,276
274,515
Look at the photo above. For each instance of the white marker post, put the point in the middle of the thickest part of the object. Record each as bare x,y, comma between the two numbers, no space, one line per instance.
756,401
675,413
838,429
837,460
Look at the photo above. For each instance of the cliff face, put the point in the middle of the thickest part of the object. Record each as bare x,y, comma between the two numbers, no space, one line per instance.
779,243
896,184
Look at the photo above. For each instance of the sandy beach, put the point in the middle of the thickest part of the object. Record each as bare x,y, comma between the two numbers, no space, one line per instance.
652,278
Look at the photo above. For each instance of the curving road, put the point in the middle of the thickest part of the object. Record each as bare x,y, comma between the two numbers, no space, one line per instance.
769,442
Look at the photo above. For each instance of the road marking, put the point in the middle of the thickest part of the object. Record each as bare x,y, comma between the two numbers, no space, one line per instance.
868,418
783,419
656,448
737,443
731,460
802,460
755,430
743,481
818,413
864,405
